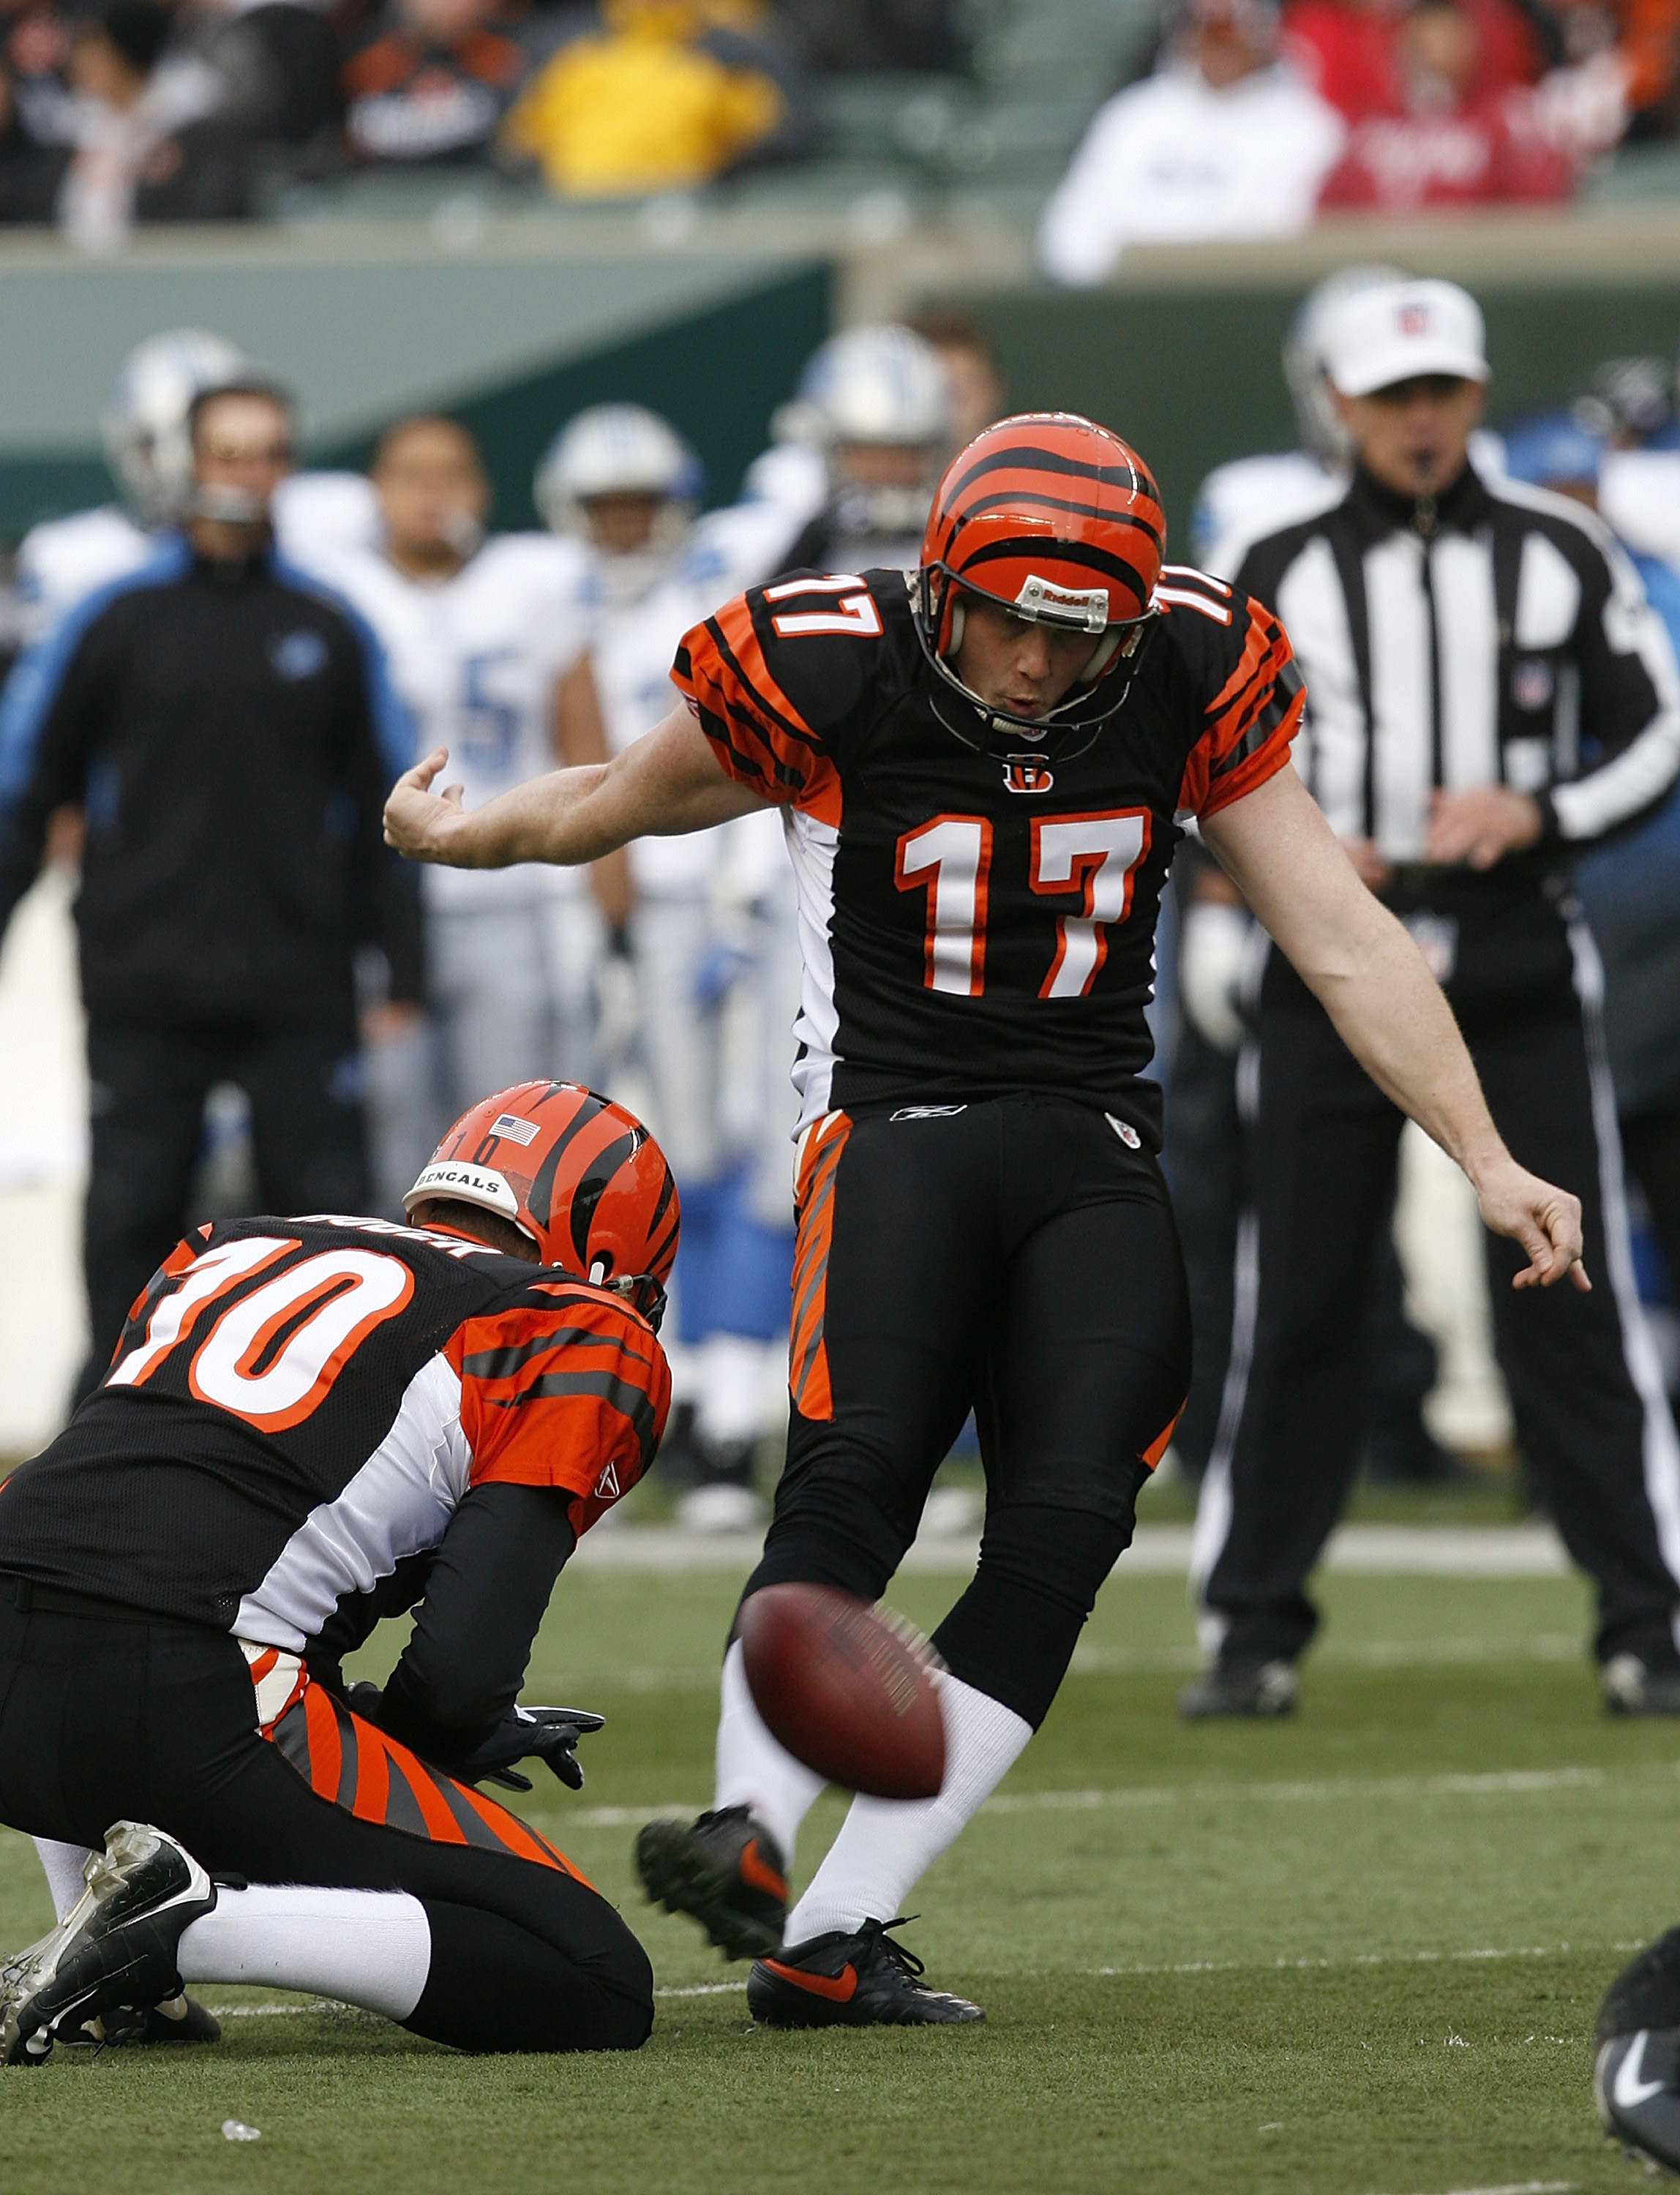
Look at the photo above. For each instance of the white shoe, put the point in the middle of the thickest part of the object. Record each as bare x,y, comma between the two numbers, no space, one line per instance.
115,1946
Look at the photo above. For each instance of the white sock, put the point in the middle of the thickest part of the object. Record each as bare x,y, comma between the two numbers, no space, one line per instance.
886,1844
367,1947
63,1864
731,1406
754,1771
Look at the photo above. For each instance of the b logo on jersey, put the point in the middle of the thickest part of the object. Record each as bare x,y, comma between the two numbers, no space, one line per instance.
1028,773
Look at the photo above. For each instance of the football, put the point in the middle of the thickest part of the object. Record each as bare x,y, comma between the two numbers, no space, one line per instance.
844,1691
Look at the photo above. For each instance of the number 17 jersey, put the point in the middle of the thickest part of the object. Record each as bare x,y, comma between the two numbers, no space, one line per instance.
974,925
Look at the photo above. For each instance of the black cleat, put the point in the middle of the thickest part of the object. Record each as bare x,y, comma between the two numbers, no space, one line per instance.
865,1980
1629,1686
115,1946
1257,1689
724,1870
179,2019
1636,2080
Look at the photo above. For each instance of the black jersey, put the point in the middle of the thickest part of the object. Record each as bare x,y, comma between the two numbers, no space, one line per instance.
297,1405
974,926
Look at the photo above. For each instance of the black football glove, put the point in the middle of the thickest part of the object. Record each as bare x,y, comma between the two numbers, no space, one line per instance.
549,1734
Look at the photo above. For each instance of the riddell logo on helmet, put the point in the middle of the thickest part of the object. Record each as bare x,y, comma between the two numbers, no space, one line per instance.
1028,773
1044,598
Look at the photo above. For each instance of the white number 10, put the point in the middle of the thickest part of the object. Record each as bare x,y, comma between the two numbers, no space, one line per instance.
949,858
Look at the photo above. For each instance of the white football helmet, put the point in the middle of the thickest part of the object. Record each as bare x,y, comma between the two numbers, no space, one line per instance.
1321,431
144,424
621,449
878,384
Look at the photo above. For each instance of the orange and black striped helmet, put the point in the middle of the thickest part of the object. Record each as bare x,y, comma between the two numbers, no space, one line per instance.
578,1174
1058,520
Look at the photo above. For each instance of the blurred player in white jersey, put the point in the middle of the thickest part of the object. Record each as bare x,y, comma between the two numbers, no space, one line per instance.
144,430
487,639
875,402
622,485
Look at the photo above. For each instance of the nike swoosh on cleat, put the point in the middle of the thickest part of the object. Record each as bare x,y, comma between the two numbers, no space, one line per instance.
841,1988
757,1875
1630,2090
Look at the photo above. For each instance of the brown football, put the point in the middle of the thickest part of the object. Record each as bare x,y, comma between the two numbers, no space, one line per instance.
843,1691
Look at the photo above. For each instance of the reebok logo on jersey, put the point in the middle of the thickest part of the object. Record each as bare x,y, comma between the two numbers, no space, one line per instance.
1028,773
606,1486
928,1112
516,1130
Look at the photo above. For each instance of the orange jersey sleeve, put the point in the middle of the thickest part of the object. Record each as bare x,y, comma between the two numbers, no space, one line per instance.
563,1386
1250,722
763,674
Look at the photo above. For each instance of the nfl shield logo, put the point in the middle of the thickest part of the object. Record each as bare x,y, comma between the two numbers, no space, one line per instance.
1028,773
1414,319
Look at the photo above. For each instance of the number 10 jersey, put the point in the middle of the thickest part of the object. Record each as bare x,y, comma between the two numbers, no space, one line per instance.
297,1405
974,925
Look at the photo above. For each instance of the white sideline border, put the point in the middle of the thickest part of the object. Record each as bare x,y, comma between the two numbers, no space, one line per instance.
1486,1551
1513,1782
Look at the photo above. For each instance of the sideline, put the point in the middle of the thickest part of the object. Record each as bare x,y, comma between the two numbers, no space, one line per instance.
1513,1782
1485,1551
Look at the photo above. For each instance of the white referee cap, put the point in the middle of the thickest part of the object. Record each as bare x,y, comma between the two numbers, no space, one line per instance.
1391,333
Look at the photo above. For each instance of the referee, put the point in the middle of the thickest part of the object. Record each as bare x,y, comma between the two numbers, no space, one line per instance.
1488,693
227,732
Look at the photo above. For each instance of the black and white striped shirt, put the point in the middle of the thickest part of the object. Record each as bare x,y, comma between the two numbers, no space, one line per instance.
1498,636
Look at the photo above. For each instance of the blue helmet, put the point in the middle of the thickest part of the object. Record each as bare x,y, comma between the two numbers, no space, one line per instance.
1552,446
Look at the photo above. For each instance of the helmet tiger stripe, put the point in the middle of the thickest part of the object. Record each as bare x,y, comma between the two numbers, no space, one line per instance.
1058,520
574,1171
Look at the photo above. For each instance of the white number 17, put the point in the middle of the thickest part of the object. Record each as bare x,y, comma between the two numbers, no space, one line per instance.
949,858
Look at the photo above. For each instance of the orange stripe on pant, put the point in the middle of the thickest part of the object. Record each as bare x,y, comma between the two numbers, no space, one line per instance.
347,1760
814,1218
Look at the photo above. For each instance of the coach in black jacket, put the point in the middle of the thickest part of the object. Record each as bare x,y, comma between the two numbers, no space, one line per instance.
1488,693
218,719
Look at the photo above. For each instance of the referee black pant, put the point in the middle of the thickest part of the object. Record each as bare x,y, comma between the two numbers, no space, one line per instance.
1584,1382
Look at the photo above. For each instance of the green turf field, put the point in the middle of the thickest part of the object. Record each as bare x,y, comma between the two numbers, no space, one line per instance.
1359,1953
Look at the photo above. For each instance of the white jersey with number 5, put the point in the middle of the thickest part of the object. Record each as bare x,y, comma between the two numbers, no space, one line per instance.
477,659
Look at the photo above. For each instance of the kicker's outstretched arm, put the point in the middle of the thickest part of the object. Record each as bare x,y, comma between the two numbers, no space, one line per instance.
669,782
1388,1009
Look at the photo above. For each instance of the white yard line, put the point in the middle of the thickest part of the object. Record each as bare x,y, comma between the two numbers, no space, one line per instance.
1521,2188
1491,1551
1108,1973
1501,1783
1120,1661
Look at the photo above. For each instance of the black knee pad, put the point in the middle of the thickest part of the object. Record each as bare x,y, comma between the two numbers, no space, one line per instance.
1012,1633
495,1985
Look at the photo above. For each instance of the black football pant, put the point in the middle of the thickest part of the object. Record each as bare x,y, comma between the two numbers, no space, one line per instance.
106,1718
1015,1257
148,1094
1586,1390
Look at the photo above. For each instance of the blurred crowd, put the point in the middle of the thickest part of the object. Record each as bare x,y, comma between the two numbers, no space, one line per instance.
1244,118
117,110
1254,117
